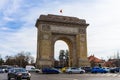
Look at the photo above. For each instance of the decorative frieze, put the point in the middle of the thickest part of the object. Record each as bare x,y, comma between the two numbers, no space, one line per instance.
64,29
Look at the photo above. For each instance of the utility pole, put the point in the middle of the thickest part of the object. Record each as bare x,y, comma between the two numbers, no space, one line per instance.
118,59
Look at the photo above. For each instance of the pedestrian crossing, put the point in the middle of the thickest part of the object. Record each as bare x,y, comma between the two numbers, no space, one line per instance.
106,74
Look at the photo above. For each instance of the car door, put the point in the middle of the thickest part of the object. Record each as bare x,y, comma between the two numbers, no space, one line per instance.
12,73
75,70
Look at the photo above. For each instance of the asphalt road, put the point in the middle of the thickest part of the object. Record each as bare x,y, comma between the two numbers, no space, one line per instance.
36,76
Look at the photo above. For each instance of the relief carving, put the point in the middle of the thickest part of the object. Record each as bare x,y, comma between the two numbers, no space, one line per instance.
45,36
82,31
45,27
82,38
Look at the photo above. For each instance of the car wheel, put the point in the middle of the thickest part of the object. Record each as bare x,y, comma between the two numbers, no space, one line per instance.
81,72
95,71
28,78
37,71
18,78
70,72
8,78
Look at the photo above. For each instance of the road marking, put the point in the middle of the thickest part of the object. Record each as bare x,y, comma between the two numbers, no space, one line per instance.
107,74
115,75
68,79
75,79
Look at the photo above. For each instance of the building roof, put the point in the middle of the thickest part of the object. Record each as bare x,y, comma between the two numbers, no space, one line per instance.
94,59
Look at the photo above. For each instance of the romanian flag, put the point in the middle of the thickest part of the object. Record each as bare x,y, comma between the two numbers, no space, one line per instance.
61,11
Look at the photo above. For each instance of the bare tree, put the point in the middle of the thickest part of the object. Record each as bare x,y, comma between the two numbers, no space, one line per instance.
67,58
64,58
21,59
61,57
1,60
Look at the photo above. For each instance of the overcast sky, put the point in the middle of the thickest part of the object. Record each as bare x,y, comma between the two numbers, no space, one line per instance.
18,18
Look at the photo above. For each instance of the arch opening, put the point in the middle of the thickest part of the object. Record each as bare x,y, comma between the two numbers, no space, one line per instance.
61,54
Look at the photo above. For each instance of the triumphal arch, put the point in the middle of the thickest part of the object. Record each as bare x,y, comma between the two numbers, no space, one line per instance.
72,30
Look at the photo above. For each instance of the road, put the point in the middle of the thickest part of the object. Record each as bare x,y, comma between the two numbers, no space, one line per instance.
36,76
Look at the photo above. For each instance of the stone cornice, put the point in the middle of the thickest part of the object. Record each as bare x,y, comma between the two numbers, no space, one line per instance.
61,20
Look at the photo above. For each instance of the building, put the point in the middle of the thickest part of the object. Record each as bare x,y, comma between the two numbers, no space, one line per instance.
94,61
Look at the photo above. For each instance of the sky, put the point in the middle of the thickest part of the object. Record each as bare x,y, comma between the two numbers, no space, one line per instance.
18,17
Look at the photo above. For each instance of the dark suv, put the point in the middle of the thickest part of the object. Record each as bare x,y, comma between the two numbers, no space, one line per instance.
18,74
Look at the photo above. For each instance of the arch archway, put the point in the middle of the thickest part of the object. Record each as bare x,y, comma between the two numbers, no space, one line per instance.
59,45
69,29
70,40
61,54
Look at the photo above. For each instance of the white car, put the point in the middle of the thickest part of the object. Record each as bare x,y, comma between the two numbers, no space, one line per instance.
32,69
75,70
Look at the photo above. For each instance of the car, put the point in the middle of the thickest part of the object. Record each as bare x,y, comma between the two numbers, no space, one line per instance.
9,68
31,68
71,70
107,69
87,69
63,70
114,70
19,74
50,71
2,70
98,70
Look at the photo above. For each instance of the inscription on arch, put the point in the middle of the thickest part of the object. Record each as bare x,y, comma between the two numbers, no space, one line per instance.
63,29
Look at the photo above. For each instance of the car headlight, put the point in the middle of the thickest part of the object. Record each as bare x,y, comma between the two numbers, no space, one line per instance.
19,74
29,74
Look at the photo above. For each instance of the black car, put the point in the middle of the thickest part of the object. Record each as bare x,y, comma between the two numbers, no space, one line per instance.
114,70
18,74
87,69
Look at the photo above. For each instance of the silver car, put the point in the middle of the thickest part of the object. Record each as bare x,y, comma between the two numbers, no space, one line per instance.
71,70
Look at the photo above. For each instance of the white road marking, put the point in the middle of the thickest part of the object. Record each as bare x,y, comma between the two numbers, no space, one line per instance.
75,79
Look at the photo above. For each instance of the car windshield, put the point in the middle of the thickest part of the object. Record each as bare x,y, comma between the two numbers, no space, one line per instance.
20,70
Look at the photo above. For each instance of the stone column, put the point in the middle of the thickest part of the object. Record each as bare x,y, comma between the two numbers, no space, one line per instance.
82,48
44,52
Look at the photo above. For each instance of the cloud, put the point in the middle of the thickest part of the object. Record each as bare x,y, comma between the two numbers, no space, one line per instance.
2,3
18,32
103,32
6,18
22,40
11,7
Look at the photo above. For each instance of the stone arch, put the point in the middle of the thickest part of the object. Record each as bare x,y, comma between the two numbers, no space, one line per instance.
70,40
72,30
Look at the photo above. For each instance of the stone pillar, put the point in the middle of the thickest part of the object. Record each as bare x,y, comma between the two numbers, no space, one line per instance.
44,53
72,55
82,48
